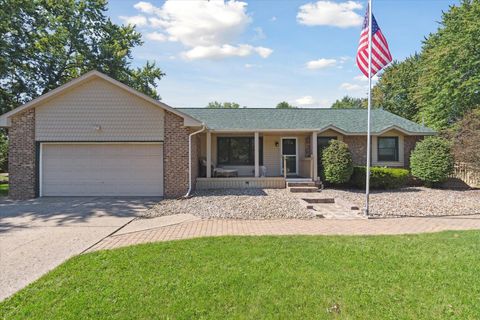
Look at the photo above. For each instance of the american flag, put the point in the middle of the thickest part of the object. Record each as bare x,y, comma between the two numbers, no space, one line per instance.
380,53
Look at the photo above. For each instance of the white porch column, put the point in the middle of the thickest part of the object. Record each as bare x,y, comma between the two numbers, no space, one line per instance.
209,154
315,155
257,155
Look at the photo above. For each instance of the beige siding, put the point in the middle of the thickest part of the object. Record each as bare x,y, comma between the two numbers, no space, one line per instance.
98,111
101,169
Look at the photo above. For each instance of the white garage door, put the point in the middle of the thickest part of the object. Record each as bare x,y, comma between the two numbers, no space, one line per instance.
101,169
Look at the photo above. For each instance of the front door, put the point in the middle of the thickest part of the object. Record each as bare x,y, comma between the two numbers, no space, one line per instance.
289,152
322,143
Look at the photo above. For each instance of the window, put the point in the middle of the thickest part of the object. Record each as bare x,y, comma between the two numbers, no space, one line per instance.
238,151
387,148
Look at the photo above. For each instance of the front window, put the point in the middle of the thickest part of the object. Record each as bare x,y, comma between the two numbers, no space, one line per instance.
238,151
388,149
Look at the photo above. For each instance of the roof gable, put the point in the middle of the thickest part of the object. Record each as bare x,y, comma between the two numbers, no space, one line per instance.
71,85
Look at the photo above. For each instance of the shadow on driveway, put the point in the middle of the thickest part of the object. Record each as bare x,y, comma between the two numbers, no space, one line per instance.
68,211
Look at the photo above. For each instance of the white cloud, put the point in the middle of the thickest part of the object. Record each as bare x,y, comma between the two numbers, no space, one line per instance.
156,36
305,101
352,87
208,29
321,63
139,21
224,51
273,19
147,7
259,34
329,13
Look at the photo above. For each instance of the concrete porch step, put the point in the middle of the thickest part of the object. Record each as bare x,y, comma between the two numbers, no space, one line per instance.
303,189
301,184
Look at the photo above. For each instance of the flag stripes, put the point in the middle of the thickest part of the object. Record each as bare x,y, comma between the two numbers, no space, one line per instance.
381,55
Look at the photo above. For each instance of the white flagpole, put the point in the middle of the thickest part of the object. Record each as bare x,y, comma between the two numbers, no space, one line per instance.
367,185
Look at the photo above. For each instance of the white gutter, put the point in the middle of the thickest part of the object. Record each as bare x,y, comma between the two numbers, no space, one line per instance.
190,183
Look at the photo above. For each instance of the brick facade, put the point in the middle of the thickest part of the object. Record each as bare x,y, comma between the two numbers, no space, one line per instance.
175,155
22,156
358,149
408,146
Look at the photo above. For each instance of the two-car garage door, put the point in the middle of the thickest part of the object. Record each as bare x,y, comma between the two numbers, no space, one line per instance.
101,169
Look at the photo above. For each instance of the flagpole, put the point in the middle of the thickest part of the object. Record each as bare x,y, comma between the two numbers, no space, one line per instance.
367,184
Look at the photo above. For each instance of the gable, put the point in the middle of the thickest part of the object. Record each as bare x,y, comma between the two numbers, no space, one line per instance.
98,110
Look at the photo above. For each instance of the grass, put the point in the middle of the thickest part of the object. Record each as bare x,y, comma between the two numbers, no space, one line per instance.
3,184
430,276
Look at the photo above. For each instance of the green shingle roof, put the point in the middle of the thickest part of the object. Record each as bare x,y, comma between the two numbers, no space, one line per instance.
347,120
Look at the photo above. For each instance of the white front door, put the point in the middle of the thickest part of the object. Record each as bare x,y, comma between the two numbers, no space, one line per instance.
289,152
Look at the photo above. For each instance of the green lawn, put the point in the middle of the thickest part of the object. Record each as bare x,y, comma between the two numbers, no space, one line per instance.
3,189
432,276
3,184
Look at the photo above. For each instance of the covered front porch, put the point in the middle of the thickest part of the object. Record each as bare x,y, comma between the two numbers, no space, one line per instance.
257,159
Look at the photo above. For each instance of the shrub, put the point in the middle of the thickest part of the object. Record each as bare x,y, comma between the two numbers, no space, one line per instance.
380,178
431,161
3,152
337,162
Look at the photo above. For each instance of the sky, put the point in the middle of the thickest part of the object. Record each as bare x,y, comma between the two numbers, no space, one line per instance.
259,53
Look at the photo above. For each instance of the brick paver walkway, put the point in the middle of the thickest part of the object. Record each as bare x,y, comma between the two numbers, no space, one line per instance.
204,228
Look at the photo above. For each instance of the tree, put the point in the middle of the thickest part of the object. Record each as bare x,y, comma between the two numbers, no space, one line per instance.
285,105
224,105
396,88
449,81
337,162
465,137
348,102
431,161
46,43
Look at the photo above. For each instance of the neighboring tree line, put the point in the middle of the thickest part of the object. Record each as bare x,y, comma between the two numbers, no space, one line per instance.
234,105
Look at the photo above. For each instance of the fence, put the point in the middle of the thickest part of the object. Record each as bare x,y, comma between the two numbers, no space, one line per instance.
468,173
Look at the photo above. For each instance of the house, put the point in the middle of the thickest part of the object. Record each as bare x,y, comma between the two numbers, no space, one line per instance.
95,136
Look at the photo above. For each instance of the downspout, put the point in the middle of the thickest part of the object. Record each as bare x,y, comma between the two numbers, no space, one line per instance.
190,183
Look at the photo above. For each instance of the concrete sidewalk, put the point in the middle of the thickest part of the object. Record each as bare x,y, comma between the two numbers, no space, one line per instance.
205,228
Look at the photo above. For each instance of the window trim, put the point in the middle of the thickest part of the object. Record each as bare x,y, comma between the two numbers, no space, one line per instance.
396,156
251,160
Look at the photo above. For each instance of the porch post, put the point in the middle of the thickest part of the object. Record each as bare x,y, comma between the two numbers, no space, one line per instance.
257,155
314,155
209,154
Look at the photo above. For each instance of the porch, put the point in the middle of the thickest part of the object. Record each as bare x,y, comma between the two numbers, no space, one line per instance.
256,159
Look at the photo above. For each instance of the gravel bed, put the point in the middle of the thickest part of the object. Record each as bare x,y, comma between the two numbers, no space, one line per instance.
413,201
235,204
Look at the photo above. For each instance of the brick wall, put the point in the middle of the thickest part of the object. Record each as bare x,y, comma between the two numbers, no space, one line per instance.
175,154
358,148
408,146
22,156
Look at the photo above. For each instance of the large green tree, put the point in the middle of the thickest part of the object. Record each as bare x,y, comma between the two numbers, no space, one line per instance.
348,102
45,43
449,82
395,91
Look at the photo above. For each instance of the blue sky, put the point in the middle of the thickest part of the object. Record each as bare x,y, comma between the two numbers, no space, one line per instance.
257,53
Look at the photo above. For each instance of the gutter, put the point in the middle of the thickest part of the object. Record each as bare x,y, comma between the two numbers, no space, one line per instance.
190,182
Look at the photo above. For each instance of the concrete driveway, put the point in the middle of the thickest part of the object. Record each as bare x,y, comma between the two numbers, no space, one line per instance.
38,235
